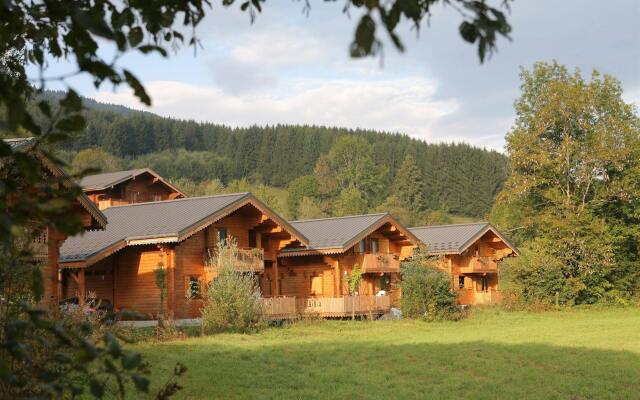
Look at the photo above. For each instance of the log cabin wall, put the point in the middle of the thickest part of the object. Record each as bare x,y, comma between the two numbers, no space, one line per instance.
141,189
307,276
99,281
476,287
326,276
135,283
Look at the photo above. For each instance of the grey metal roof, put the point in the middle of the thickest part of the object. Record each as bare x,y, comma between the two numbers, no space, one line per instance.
109,179
20,143
146,220
449,238
26,145
335,232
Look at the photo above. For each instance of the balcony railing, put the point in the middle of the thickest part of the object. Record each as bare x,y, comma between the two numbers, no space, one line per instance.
480,265
380,262
250,259
326,307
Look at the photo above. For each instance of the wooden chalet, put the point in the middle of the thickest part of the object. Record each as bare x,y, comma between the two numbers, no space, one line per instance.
128,187
118,264
315,275
46,245
471,253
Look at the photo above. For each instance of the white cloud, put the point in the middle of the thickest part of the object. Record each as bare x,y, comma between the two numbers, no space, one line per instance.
402,105
279,46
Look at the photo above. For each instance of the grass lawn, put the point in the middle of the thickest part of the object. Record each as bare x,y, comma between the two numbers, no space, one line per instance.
582,354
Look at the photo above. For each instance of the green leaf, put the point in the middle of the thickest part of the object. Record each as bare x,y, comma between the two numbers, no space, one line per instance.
71,101
468,32
148,48
141,382
97,389
135,36
137,87
71,124
131,361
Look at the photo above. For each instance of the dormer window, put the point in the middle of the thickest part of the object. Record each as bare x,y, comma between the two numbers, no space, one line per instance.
362,247
222,234
375,246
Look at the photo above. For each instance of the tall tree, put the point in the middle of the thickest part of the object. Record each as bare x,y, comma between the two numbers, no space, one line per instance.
350,162
573,150
409,185
350,202
95,160
299,188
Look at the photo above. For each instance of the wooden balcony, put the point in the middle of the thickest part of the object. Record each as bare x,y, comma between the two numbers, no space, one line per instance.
480,265
250,259
326,307
380,262
40,246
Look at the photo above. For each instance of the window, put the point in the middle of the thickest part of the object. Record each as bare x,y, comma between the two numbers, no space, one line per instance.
484,283
375,246
384,282
362,246
316,285
193,287
222,234
461,282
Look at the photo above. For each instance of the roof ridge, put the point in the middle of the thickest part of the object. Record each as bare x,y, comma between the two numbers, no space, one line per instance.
119,172
345,217
446,225
183,199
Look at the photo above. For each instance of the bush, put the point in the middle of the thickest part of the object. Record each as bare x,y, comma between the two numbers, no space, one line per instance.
233,299
426,290
539,278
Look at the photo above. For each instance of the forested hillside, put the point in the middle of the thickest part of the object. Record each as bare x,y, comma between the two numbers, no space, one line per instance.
453,179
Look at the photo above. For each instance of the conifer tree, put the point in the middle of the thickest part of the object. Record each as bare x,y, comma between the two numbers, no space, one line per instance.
410,186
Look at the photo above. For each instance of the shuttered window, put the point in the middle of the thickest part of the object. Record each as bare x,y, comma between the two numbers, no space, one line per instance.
316,285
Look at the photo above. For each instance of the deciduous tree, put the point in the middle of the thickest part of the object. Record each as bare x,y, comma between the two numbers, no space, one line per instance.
573,152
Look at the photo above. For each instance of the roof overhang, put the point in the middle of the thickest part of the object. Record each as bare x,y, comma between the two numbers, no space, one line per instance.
386,219
98,218
88,189
473,239
248,199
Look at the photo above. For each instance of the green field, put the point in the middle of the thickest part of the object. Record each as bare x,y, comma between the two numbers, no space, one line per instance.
582,354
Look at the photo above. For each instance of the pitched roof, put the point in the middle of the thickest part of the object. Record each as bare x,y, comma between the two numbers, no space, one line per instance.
455,238
159,222
109,179
340,233
28,144
20,143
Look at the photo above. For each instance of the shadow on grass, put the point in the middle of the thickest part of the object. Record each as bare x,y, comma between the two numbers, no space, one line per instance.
359,370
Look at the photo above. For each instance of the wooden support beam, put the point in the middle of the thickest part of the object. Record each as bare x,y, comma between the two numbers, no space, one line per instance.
277,273
338,278
82,294
171,290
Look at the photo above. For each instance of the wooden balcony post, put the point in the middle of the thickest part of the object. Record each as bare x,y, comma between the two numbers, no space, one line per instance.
171,292
275,269
338,280
81,287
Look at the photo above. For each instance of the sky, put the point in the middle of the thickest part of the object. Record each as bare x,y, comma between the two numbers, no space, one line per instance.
292,68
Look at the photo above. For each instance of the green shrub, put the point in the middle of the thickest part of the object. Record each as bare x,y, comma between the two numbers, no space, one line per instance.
233,299
426,290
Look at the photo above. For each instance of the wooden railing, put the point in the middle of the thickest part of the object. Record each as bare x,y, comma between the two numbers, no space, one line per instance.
488,297
480,264
380,262
250,259
326,307
279,307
